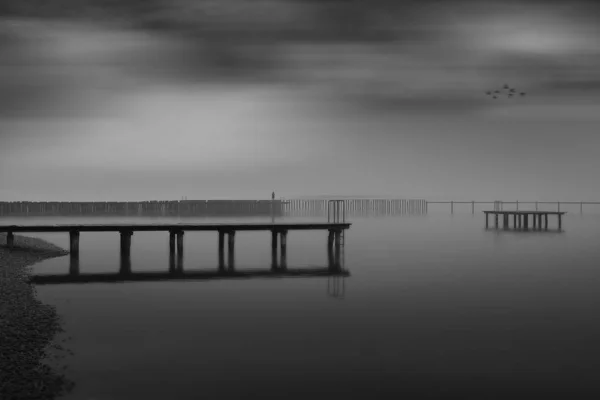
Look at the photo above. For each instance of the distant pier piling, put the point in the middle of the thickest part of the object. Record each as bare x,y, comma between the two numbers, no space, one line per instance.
521,219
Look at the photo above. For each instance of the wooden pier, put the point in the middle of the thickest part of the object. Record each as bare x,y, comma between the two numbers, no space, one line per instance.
176,232
521,219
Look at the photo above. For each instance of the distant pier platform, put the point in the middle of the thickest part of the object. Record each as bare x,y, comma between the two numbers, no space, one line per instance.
521,219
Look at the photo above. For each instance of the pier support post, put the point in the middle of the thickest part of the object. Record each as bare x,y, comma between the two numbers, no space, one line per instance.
487,224
273,249
534,220
526,221
73,264
546,221
10,240
283,235
540,221
505,221
231,250
330,239
514,221
221,250
126,251
338,236
559,222
496,220
171,251
179,250
74,242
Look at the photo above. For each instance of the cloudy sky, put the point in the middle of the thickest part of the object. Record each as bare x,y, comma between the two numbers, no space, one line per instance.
83,120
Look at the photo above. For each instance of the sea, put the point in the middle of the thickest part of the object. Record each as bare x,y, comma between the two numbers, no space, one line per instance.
434,306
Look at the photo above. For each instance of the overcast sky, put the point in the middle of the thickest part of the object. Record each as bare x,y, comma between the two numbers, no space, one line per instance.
425,129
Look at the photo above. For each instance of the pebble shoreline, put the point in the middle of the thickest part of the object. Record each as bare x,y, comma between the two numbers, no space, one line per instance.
28,328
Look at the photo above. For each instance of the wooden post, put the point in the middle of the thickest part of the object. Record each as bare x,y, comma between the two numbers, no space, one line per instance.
487,220
338,235
10,240
273,249
231,250
126,251
330,239
496,220
534,220
526,221
546,221
171,243
505,221
330,257
221,250
179,246
514,221
559,222
74,264
74,242
283,235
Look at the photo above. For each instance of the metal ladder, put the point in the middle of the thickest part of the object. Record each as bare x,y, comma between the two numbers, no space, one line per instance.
334,209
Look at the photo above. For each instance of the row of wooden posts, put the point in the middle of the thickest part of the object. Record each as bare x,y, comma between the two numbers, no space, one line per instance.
521,219
334,244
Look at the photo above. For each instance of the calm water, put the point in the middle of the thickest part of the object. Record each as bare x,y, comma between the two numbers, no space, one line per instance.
434,305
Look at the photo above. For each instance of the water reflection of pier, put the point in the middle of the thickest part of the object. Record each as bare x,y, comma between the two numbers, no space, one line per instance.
177,272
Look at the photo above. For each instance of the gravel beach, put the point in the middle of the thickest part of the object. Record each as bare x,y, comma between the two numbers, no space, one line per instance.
29,329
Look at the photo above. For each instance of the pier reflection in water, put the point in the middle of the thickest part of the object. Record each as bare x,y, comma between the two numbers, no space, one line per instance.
176,271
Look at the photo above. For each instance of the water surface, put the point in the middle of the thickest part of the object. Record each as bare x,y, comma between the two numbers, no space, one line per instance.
434,305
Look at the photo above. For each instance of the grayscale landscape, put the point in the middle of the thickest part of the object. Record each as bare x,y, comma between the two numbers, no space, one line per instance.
299,199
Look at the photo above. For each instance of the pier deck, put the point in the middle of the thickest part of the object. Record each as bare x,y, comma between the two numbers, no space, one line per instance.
521,218
176,232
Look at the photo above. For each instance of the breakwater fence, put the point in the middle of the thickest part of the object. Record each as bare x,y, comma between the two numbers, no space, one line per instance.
274,208
145,208
355,207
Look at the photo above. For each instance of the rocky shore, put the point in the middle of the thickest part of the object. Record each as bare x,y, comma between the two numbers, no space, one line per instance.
29,330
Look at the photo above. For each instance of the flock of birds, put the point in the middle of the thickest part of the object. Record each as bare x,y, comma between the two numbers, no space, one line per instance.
510,92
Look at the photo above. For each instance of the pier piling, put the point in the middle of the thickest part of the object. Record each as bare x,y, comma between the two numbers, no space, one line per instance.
283,235
74,242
